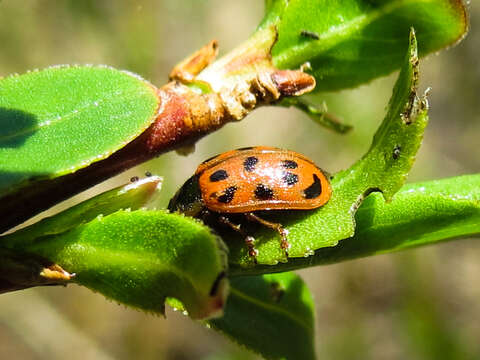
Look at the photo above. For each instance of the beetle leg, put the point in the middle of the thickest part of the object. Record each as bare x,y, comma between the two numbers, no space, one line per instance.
249,240
236,227
274,226
186,70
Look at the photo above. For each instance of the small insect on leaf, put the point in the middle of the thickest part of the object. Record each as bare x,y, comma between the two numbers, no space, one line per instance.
232,186
310,34
396,152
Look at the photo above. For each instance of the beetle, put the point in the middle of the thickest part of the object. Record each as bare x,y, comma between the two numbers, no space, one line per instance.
310,34
248,180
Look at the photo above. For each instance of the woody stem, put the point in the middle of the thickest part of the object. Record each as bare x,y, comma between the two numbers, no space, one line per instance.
185,115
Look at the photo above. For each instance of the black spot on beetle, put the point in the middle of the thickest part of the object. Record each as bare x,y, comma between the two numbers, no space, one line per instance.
313,190
289,164
249,163
134,179
396,152
310,34
218,175
148,174
228,195
290,178
263,192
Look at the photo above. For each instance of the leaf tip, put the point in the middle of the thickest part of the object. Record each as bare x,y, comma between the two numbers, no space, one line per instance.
150,183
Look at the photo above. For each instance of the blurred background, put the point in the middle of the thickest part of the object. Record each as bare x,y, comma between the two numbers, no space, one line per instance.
418,304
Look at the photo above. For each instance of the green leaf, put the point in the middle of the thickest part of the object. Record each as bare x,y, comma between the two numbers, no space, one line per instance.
132,196
383,168
273,12
419,214
58,120
139,258
273,315
354,41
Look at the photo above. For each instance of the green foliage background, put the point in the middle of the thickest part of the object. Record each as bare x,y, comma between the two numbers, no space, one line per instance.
417,304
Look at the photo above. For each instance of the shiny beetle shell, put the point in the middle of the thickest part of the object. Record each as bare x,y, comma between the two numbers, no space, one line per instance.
261,178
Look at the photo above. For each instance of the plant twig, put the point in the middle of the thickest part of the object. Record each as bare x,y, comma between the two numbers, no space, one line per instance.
200,99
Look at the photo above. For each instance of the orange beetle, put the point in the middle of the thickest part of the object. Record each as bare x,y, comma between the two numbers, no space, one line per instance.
253,179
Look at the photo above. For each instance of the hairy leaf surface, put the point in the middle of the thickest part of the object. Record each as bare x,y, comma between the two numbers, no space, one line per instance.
58,120
273,315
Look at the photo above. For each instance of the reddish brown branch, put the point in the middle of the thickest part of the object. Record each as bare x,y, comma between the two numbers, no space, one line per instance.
185,115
